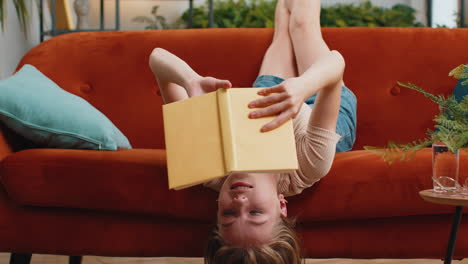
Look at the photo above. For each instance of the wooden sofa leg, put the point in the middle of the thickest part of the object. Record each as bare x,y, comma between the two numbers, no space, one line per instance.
16,258
75,259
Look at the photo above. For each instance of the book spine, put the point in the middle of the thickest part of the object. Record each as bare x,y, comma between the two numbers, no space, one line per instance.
225,116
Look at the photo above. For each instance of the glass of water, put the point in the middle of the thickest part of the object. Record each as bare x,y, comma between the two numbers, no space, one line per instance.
445,167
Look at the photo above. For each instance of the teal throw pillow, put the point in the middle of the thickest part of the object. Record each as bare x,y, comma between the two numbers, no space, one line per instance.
38,109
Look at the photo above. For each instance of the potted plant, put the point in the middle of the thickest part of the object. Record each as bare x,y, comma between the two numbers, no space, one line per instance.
156,21
450,135
451,124
260,13
21,11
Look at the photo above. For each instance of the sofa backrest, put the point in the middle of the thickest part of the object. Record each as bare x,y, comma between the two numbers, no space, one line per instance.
110,70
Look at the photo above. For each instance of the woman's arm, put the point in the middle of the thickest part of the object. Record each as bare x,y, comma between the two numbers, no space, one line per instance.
177,80
286,99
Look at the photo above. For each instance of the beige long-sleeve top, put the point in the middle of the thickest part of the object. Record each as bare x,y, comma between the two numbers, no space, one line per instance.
315,148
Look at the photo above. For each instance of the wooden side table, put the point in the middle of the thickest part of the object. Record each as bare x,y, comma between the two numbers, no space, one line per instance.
459,202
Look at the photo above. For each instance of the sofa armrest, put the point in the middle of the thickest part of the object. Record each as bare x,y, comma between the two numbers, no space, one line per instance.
5,147
11,142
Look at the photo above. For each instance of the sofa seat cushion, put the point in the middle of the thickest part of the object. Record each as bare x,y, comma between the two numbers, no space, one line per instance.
132,180
359,186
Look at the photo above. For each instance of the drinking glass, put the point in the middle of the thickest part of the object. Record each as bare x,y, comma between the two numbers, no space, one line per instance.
445,167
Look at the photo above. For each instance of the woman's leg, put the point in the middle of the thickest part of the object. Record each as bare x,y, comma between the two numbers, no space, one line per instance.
169,91
279,58
306,37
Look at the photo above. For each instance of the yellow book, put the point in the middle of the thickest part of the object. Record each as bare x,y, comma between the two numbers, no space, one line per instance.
210,136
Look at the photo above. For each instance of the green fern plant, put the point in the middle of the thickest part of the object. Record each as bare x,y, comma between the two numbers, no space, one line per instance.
451,124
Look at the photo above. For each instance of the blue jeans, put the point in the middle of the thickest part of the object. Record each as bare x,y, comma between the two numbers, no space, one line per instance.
346,124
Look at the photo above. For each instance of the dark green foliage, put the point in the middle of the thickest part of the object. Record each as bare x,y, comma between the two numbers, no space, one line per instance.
234,14
260,13
451,124
367,15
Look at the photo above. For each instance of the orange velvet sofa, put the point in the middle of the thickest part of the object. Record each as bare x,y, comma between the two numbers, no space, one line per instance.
117,203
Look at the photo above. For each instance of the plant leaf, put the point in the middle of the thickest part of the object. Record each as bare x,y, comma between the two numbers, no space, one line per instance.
458,71
440,99
143,19
405,152
22,13
2,7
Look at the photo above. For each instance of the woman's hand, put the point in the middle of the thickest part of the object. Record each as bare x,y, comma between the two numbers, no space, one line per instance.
203,85
283,100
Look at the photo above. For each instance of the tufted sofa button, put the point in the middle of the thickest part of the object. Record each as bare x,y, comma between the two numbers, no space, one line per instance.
86,88
395,90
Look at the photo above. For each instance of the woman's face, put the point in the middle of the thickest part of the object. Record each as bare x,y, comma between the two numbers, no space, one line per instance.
249,207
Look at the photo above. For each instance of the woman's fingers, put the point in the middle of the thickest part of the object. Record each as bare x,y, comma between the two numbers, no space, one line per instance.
275,89
268,100
223,84
282,101
278,121
269,110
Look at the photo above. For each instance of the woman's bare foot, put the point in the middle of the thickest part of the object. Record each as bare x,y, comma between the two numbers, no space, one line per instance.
203,85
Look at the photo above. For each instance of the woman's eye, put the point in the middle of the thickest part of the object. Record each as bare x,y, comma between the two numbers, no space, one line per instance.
256,212
228,212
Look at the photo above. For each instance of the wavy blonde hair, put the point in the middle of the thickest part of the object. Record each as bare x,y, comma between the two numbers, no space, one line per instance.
284,248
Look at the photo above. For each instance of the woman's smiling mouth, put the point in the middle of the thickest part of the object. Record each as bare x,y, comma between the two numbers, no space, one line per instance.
241,186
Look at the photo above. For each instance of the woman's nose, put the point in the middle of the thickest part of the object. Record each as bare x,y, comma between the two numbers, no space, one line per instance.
240,198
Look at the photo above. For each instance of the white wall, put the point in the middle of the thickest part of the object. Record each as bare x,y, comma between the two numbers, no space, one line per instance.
444,13
13,42
466,14
171,10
